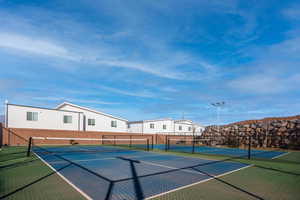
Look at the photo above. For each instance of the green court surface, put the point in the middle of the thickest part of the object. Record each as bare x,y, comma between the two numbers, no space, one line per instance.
24,177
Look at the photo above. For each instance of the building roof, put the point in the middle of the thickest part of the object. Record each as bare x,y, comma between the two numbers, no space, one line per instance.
37,107
88,109
184,121
151,120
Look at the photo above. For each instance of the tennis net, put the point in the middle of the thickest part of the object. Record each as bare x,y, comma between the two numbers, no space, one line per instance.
53,145
186,144
210,146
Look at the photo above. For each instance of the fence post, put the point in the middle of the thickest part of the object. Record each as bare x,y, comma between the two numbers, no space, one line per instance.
1,136
130,141
147,144
249,148
152,138
166,143
8,137
193,143
29,147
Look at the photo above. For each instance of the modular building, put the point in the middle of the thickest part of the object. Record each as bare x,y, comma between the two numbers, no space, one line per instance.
165,126
65,116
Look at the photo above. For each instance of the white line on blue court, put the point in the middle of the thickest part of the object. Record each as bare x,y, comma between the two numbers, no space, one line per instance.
189,185
65,179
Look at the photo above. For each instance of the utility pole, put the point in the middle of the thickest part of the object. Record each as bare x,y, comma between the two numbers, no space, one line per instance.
218,105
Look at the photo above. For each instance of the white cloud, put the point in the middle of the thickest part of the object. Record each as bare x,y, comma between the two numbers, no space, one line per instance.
292,12
147,68
147,53
33,45
259,84
76,100
6,84
265,84
145,94
43,47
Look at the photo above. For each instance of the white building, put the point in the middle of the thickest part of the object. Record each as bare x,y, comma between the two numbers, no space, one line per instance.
68,116
165,126
65,116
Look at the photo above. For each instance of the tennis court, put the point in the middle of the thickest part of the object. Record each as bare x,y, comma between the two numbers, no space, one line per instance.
117,173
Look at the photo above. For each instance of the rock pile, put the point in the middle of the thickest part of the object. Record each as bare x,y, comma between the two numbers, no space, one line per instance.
273,133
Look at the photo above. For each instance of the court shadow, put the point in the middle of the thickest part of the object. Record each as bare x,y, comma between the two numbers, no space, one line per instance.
18,164
229,184
137,185
33,182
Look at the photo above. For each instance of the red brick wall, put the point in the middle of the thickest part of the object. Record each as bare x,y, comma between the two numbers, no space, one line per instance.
20,136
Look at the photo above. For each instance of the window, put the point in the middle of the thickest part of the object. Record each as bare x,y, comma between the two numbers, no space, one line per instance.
67,119
114,124
180,128
164,126
91,122
190,128
151,125
32,116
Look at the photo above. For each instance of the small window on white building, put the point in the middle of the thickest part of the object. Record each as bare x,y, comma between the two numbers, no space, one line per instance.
32,116
164,127
67,119
114,124
180,128
91,122
151,125
190,128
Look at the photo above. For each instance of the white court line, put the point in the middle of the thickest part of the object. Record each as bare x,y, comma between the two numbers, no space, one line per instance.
65,179
280,155
186,186
112,158
109,158
169,167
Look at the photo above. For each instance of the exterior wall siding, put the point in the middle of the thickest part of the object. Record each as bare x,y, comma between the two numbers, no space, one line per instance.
46,119
158,126
135,128
172,127
102,122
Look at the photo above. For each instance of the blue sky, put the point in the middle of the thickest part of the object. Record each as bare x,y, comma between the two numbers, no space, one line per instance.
144,59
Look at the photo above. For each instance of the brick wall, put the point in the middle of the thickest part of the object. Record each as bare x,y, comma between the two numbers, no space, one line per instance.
20,136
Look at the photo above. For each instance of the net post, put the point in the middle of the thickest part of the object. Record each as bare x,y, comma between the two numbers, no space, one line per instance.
249,147
147,144
166,143
29,146
152,137
130,141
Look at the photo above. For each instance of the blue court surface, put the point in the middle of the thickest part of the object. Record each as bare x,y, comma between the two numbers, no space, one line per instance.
130,174
235,152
